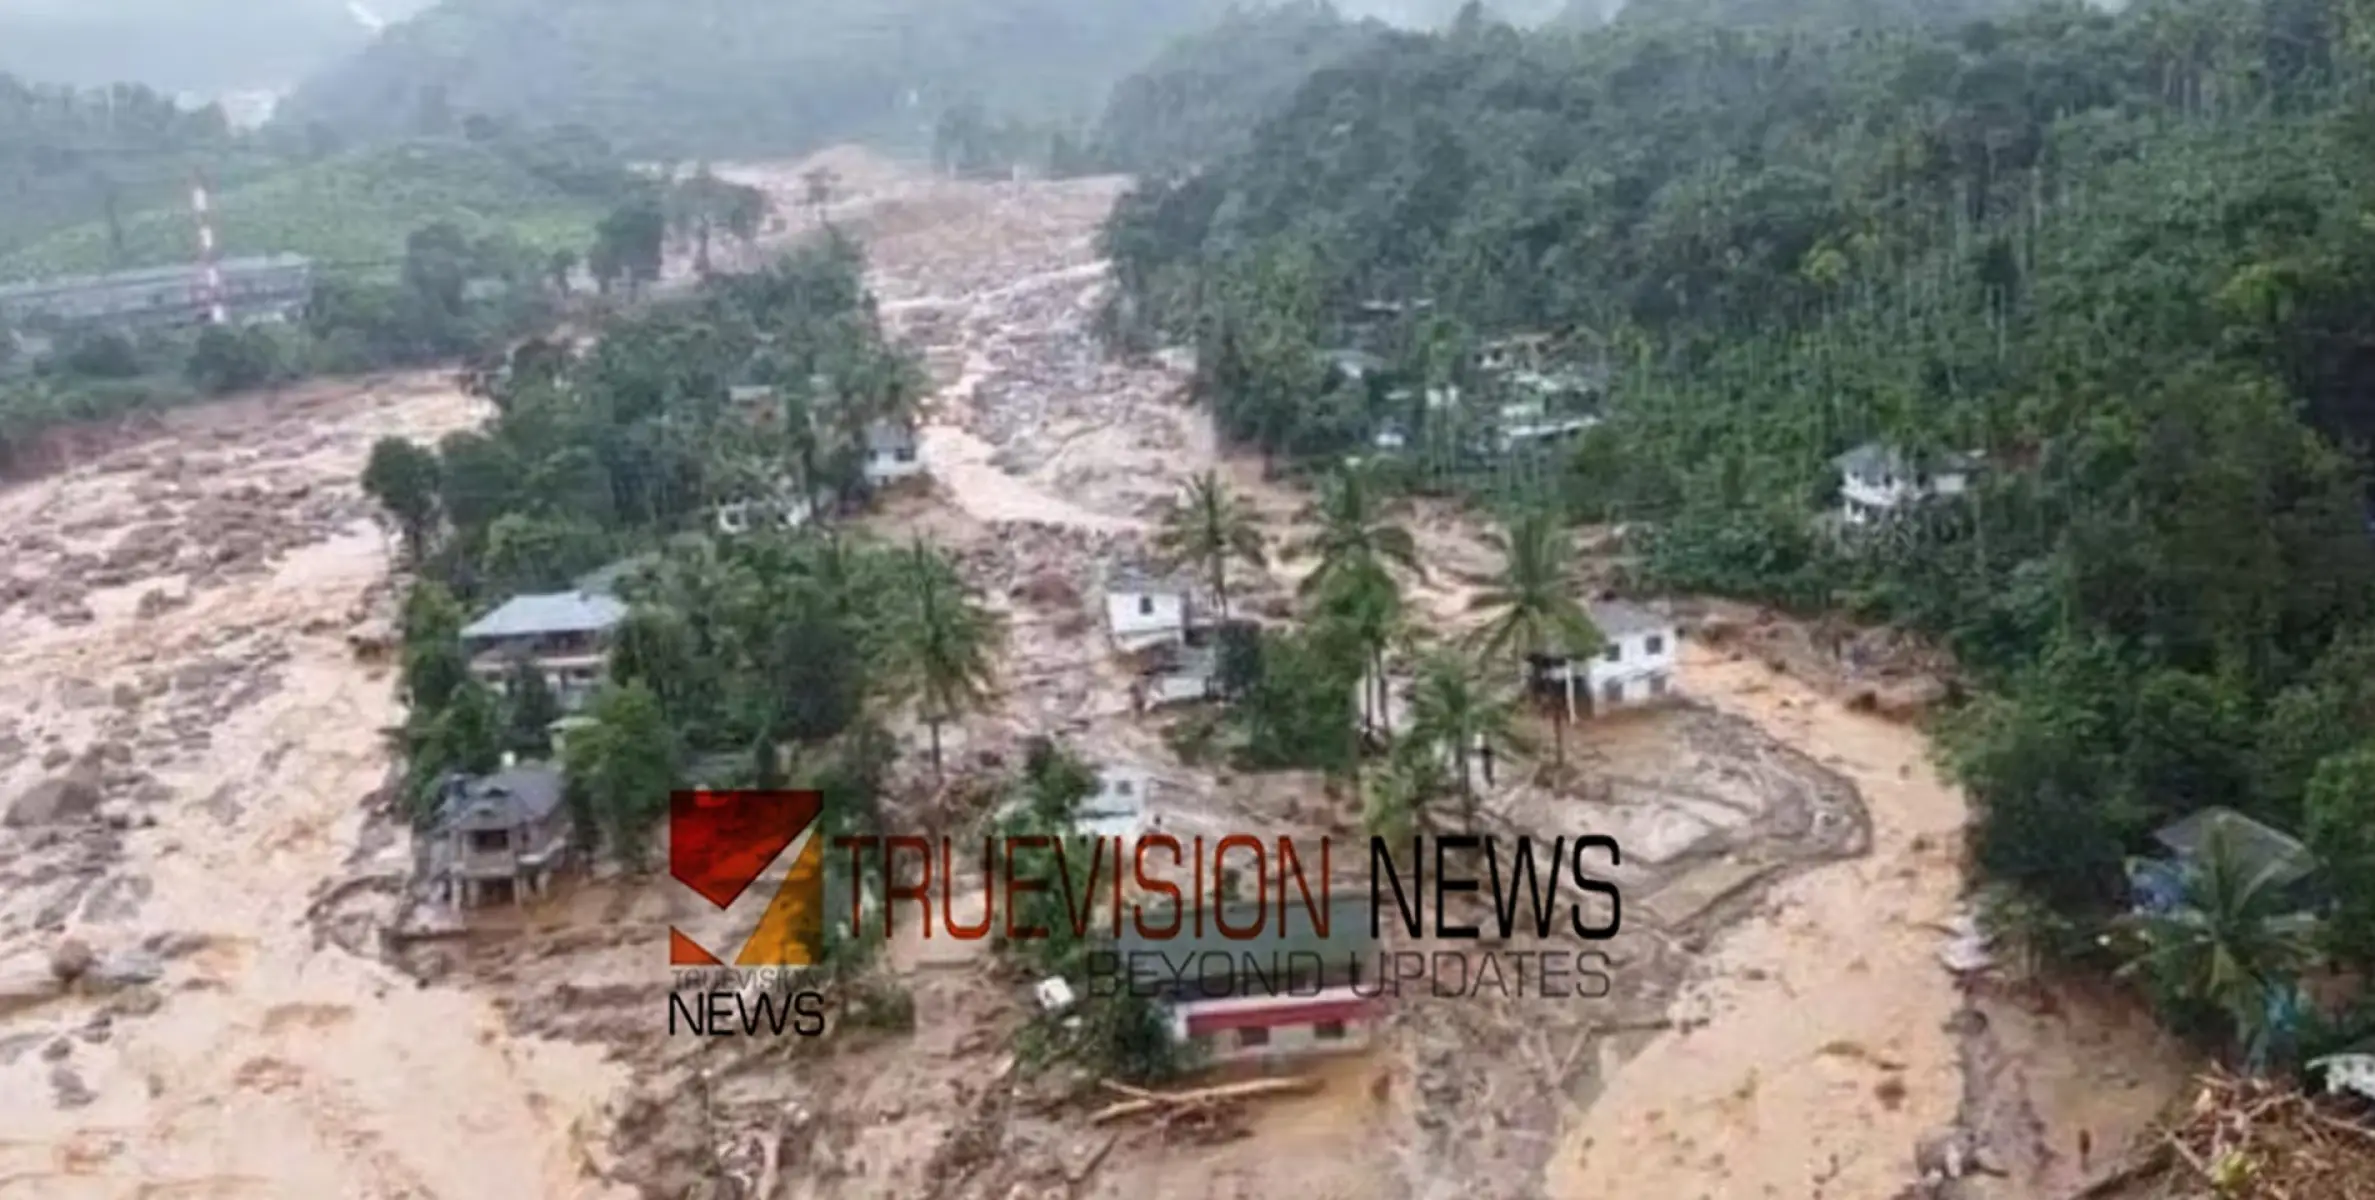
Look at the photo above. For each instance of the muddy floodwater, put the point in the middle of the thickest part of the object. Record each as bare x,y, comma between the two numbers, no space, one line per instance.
189,741
198,997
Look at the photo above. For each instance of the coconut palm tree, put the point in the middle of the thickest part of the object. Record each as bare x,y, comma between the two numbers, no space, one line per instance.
1456,709
938,645
1402,799
1534,603
1208,527
1361,611
1356,527
2233,941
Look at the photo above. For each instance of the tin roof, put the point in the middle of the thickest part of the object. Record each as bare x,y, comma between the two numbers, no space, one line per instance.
1617,618
550,613
1873,458
2258,846
519,795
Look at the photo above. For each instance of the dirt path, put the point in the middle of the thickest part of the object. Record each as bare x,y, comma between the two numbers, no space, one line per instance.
180,664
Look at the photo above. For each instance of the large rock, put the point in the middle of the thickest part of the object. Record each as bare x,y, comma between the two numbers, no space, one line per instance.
68,798
70,958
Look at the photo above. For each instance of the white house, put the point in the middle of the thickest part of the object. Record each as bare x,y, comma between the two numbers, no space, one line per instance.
1143,613
1522,352
1119,805
1528,422
1636,666
1290,983
1877,480
892,453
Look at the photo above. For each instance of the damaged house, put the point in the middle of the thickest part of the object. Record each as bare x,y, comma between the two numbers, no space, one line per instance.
498,838
1301,984
1152,622
1635,665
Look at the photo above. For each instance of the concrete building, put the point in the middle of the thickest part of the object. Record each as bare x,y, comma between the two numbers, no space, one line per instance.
1530,423
499,838
1287,992
254,289
789,510
1519,352
1636,665
893,453
1182,674
1119,806
1876,481
1144,613
565,634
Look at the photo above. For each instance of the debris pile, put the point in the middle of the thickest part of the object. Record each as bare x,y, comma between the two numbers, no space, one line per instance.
2250,1137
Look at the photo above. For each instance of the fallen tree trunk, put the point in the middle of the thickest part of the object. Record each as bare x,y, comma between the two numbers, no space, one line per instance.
1169,1103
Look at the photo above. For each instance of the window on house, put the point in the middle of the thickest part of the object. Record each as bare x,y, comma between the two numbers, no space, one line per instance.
1613,691
1146,606
1656,644
1253,1036
490,841
1657,685
1614,653
1328,1031
905,454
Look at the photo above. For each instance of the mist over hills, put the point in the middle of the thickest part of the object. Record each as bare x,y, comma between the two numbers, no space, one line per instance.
204,46
721,77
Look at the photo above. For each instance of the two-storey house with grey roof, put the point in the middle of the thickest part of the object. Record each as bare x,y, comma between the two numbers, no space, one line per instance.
565,635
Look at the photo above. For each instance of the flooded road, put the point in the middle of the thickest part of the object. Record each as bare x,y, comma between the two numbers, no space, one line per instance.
217,726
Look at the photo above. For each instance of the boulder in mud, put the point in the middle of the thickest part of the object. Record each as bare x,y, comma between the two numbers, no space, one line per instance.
1910,700
70,1090
156,602
70,958
68,798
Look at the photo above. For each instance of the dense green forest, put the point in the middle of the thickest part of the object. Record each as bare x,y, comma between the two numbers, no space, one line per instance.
1202,95
739,77
2129,258
764,658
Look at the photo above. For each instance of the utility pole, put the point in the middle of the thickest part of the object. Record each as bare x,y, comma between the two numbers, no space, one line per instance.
210,272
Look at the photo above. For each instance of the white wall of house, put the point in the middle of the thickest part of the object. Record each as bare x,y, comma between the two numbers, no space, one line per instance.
1867,498
572,678
892,453
1292,1035
1635,668
1142,619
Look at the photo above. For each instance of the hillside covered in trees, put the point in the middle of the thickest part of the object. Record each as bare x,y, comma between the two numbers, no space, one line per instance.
2126,258
1203,94
724,77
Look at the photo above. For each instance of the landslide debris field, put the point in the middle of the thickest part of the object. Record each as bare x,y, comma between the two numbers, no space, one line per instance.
205,988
